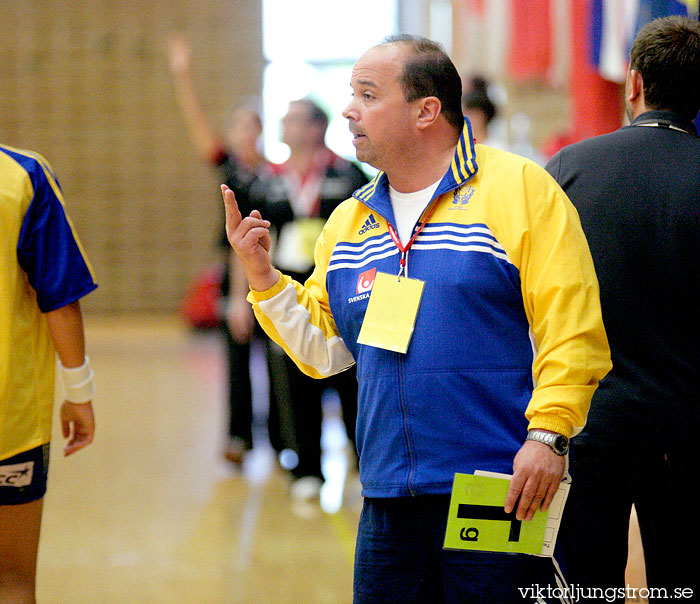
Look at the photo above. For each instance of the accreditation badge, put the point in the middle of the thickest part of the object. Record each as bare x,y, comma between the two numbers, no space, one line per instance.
391,312
296,243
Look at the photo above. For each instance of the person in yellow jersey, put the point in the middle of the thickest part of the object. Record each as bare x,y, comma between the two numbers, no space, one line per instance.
43,274
494,367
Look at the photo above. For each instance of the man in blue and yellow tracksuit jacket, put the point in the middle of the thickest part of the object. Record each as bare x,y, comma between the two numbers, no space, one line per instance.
507,345
508,336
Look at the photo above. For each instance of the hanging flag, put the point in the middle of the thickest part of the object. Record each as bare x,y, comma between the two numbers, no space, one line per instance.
476,6
530,52
597,103
613,25
653,9
481,31
693,7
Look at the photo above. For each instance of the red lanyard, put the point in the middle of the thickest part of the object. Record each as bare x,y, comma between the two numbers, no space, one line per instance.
404,249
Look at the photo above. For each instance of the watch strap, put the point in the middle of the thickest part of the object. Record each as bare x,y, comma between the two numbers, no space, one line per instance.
557,442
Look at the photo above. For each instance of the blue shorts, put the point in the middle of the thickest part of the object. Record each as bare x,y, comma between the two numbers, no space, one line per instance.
399,559
23,477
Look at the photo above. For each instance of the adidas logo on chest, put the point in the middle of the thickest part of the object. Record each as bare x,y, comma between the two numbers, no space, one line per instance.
369,224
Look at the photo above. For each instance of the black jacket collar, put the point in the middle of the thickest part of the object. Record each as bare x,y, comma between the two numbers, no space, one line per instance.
665,119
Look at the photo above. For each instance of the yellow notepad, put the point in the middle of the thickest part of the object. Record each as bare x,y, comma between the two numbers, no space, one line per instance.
477,520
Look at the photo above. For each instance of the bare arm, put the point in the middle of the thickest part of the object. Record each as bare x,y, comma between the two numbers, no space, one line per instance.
66,329
239,316
205,138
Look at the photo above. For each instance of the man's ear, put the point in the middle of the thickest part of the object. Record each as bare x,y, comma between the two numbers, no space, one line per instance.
428,111
635,86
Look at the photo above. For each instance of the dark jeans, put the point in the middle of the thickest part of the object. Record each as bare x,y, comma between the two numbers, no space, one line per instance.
399,560
662,485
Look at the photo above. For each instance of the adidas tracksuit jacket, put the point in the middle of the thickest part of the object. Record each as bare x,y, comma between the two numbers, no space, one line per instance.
508,333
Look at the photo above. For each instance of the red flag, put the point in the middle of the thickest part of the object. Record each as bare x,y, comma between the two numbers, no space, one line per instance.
596,103
530,51
476,6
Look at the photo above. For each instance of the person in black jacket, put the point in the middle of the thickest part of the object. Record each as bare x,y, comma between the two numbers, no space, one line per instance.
637,191
298,196
233,152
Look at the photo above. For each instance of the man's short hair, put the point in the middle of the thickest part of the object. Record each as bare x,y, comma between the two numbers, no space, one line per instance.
315,112
666,52
428,71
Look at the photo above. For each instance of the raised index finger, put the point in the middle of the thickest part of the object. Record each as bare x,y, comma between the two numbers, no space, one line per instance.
233,214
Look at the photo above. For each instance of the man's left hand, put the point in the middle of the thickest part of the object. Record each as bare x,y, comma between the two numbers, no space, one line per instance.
537,472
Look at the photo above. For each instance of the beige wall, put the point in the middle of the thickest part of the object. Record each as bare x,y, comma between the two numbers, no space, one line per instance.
86,84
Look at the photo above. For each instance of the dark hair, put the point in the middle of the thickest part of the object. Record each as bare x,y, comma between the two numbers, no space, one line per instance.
428,71
316,114
477,97
666,52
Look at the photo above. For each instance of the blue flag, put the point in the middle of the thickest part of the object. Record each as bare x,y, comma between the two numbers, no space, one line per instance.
614,25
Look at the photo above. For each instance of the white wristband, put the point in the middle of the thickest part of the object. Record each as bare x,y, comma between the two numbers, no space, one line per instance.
78,383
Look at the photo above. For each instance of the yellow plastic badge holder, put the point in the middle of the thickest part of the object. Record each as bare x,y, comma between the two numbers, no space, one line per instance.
391,312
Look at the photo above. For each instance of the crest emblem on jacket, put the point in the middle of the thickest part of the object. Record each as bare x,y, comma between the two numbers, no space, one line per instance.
461,197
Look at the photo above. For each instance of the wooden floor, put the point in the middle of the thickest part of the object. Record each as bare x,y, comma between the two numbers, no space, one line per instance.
152,514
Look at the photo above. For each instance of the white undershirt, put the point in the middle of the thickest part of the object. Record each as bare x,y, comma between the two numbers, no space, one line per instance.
408,207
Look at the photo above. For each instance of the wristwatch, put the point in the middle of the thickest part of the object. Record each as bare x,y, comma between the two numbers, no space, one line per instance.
558,442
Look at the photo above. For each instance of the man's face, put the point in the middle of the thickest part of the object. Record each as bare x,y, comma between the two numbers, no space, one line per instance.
379,115
297,129
244,129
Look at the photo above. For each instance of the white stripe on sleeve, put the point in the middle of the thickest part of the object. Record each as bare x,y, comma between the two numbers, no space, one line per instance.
307,342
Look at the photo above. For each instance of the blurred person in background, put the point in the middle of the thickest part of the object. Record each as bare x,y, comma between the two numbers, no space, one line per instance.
479,108
488,128
637,191
43,275
235,154
298,195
